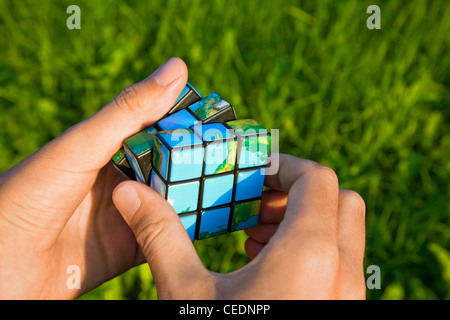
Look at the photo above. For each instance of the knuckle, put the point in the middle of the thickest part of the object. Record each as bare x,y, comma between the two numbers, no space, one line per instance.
353,200
128,99
148,230
323,175
327,174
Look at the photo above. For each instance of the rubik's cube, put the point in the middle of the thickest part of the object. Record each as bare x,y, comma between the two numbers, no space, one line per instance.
208,165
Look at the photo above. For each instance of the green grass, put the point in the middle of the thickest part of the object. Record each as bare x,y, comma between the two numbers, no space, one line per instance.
374,105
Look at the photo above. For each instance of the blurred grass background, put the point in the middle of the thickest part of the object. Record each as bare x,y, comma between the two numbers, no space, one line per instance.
374,105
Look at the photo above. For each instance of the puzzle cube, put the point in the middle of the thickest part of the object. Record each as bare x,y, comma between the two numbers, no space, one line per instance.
214,222
213,108
253,142
245,215
205,163
121,163
138,150
178,155
220,147
188,96
189,222
198,172
178,120
178,165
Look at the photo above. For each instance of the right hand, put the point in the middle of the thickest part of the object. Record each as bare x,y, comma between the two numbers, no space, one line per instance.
309,243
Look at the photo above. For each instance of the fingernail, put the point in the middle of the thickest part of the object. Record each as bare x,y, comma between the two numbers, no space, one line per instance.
127,201
168,72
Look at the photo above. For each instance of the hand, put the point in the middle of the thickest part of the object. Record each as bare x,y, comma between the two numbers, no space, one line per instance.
56,208
309,243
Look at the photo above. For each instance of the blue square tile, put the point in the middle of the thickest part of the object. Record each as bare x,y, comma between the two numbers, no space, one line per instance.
249,184
214,222
245,215
178,120
138,149
179,138
254,141
135,166
183,93
194,90
186,164
220,157
254,151
183,197
217,190
157,184
189,223
207,107
213,131
188,96
160,160
221,147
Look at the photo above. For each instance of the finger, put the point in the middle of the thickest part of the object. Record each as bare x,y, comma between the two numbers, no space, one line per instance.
67,167
273,206
262,232
252,248
312,203
307,235
165,243
351,238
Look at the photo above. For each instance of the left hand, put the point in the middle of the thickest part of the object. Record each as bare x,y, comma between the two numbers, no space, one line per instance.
56,206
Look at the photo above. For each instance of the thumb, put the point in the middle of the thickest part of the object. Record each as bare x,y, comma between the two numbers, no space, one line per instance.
164,242
134,108
68,166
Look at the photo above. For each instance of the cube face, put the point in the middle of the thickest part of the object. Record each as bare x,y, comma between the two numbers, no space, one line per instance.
160,160
213,108
225,193
140,175
179,120
178,155
220,157
205,163
183,196
217,190
138,150
186,163
247,127
213,132
249,184
254,151
253,143
141,142
188,96
122,165
189,222
220,149
214,222
158,184
245,215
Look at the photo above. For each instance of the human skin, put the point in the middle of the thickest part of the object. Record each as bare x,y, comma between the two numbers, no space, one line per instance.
56,208
309,242
59,208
